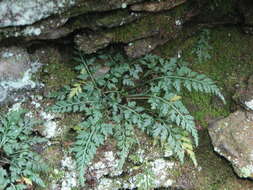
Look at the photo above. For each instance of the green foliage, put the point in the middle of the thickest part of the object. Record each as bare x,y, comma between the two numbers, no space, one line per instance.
20,166
118,94
202,48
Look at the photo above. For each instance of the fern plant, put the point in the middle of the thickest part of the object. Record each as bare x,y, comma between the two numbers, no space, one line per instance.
118,95
20,166
202,48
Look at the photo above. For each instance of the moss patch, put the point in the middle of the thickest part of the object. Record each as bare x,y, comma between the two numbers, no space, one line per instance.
57,74
230,64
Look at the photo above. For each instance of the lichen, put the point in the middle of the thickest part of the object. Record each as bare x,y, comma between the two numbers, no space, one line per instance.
23,12
249,104
246,171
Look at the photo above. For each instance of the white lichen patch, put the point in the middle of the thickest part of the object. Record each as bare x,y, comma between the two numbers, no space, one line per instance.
108,184
160,167
24,82
51,128
178,22
32,31
69,180
7,54
246,171
249,104
15,107
68,163
107,165
23,12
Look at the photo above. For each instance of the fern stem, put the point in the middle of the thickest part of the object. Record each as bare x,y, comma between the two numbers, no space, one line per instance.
126,107
88,71
177,77
138,96
94,129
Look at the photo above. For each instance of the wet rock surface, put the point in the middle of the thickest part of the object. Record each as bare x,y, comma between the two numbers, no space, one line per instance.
232,138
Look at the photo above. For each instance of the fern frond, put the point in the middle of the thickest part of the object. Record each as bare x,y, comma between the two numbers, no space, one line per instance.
75,104
188,147
17,139
75,90
92,135
124,134
176,112
192,81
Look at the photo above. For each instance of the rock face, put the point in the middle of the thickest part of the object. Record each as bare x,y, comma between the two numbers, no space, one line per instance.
157,6
232,138
16,69
22,12
95,24
244,96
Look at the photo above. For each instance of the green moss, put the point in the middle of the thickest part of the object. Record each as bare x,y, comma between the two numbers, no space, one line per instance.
56,74
162,24
203,109
230,64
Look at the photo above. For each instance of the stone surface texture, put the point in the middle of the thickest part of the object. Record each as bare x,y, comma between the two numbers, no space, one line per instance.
16,70
157,6
23,12
244,95
94,24
232,137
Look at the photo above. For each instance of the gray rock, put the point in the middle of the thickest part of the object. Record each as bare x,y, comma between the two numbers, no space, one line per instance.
141,34
232,137
91,43
16,71
23,12
157,6
141,47
244,95
13,63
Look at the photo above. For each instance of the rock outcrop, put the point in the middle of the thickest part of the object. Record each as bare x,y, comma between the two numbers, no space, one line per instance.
244,96
16,69
96,24
232,138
